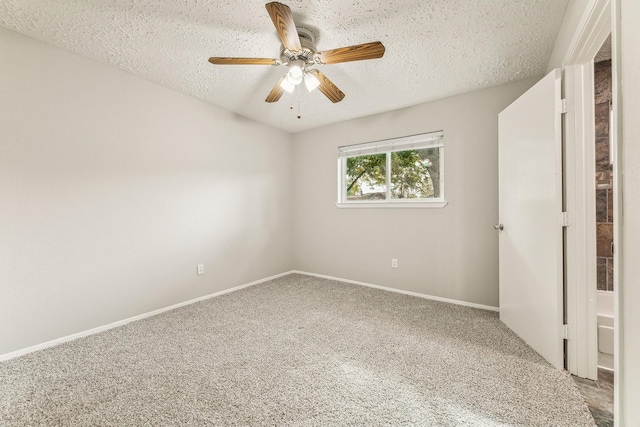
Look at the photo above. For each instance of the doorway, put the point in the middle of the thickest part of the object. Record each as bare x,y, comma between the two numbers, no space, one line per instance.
605,251
598,393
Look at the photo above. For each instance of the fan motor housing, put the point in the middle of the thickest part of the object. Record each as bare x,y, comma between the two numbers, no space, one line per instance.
307,41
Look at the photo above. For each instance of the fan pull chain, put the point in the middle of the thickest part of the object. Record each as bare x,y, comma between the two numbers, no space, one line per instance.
299,101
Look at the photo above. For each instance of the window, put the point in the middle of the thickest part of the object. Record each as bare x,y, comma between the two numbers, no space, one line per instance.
400,172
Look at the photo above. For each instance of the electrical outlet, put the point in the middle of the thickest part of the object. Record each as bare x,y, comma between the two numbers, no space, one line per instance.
394,263
200,269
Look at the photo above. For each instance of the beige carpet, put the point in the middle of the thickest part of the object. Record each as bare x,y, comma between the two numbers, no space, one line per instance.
295,351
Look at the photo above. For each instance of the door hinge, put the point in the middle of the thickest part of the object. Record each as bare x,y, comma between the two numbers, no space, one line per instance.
562,105
563,219
565,332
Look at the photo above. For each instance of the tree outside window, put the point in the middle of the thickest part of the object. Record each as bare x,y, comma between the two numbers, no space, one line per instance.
415,174
406,168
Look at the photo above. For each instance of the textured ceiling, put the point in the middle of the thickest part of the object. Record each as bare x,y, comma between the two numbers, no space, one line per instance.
434,48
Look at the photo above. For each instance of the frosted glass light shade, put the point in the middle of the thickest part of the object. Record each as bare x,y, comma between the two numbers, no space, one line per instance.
311,81
287,85
295,75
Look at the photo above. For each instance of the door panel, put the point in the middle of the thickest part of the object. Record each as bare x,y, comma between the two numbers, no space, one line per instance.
530,191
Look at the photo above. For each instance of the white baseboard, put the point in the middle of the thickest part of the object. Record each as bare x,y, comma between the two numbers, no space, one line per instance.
415,294
72,337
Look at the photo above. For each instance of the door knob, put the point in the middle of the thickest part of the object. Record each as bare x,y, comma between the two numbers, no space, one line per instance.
499,227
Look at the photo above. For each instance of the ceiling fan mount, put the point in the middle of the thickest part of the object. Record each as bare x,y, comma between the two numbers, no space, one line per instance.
308,51
299,53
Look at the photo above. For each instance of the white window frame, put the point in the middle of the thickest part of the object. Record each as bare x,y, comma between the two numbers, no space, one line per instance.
387,146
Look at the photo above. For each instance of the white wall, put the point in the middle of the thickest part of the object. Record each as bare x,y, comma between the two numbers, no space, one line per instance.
630,254
450,252
113,189
572,20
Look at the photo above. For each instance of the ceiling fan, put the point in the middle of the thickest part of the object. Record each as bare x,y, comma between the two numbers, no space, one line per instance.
300,55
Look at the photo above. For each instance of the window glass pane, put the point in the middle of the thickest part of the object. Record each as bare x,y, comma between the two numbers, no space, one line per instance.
415,174
366,177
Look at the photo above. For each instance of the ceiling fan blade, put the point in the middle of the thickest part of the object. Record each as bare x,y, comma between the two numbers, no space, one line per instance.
243,61
283,20
276,92
327,87
356,52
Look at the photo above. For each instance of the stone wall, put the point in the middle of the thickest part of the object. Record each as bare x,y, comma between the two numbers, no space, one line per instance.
604,176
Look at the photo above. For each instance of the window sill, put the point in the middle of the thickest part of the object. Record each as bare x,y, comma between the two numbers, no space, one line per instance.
421,204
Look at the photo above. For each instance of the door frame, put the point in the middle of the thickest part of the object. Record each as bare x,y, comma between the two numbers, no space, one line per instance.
580,244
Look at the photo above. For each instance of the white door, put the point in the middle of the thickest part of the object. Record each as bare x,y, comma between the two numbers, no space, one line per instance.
531,243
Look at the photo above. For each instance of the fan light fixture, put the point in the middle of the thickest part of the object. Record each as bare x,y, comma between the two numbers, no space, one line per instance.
295,76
